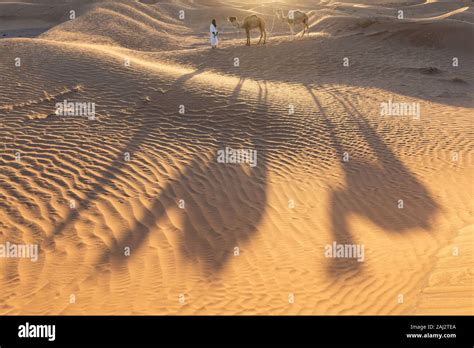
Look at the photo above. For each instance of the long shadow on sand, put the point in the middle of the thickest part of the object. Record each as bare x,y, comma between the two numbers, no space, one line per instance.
363,194
112,172
214,222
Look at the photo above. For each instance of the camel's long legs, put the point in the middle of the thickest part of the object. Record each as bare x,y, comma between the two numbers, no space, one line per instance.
263,35
305,29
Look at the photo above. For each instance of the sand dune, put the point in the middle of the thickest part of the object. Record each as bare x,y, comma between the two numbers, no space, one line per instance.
142,175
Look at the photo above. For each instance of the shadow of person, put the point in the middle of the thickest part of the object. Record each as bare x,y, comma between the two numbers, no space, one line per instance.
221,204
386,192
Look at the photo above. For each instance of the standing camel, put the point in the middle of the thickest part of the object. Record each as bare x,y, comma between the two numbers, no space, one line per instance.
249,23
295,17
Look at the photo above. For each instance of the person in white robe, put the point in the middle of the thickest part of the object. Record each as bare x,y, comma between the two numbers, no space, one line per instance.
214,34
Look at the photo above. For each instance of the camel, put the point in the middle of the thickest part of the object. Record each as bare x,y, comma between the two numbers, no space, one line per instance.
295,17
249,23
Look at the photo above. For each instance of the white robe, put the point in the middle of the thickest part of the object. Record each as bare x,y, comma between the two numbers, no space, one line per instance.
214,39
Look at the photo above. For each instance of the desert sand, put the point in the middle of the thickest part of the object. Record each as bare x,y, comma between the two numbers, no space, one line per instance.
211,238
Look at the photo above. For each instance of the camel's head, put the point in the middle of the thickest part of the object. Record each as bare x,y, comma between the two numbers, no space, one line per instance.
234,21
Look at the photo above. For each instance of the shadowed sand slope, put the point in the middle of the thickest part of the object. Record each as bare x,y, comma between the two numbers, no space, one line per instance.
132,212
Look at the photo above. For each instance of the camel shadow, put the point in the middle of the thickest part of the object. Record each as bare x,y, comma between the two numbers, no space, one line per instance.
208,195
112,172
208,237
364,194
